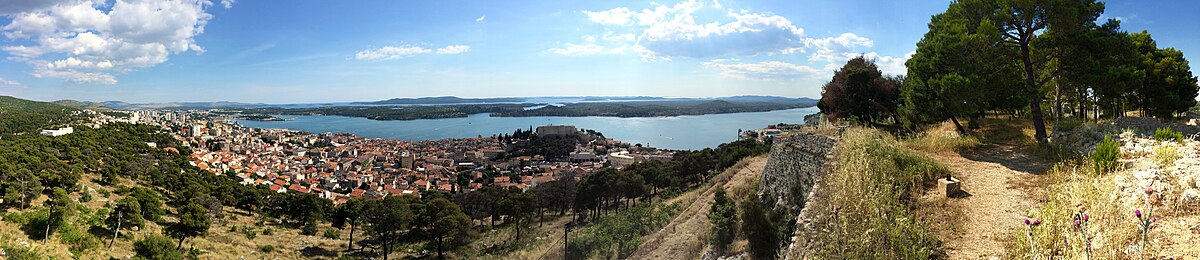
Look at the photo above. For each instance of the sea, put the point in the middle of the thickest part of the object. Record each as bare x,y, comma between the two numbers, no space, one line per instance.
674,132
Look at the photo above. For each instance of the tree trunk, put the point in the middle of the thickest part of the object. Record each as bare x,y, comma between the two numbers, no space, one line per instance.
439,248
957,126
116,231
1058,101
180,243
1035,100
350,242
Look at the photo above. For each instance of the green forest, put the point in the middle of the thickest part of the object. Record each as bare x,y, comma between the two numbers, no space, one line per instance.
1045,60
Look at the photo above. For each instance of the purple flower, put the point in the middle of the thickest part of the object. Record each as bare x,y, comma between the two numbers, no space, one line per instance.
1077,223
1138,213
1085,217
1027,222
1037,222
1154,220
1149,190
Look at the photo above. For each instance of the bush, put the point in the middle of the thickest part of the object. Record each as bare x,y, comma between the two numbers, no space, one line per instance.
155,246
17,253
266,248
332,234
1167,134
309,229
249,232
761,232
1104,159
1166,155
721,215
87,196
268,232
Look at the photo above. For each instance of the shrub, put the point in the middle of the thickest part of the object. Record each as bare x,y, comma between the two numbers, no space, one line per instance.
267,232
1167,134
309,229
87,196
331,234
1104,159
759,229
266,248
1166,155
249,232
155,246
721,215
18,253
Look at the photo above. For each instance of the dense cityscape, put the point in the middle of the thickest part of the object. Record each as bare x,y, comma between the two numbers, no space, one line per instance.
339,166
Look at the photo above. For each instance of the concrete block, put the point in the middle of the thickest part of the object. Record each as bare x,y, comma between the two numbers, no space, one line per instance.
949,187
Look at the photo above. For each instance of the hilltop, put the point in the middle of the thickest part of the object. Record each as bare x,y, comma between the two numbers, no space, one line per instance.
22,116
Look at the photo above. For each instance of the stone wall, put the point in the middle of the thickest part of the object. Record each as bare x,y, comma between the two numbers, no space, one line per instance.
793,166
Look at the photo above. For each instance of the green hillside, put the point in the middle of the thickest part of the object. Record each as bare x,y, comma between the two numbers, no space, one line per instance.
20,116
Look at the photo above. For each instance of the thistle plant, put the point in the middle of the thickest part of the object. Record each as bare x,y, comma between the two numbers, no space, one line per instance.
835,215
1031,224
1146,221
1081,225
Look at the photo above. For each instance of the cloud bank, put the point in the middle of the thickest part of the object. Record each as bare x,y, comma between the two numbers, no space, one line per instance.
87,42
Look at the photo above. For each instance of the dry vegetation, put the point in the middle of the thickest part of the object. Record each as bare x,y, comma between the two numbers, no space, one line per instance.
866,205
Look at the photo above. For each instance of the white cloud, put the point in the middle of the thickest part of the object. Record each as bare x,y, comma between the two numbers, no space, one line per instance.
228,3
480,19
453,49
834,49
888,64
589,49
4,83
615,16
667,31
81,42
622,37
405,51
703,29
391,52
765,70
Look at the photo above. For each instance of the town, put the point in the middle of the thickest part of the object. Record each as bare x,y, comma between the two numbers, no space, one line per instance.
340,166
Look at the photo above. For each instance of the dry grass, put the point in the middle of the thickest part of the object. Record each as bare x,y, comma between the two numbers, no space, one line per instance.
872,187
941,139
1075,189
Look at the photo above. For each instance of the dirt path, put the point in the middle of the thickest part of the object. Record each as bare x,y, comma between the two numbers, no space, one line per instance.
686,236
998,180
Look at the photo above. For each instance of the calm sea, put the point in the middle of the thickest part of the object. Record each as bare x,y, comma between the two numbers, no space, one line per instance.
678,132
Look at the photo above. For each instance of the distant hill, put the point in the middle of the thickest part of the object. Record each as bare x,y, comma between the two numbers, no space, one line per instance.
24,116
179,105
440,101
83,104
776,99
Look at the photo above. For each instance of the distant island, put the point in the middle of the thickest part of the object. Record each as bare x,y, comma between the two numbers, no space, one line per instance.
656,108
443,100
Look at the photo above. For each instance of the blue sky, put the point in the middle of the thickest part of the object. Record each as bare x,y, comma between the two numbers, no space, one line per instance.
330,51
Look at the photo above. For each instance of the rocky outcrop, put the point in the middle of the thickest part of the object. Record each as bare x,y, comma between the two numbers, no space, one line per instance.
793,167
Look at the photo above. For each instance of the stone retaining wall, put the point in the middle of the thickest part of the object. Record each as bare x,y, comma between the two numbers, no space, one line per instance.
793,166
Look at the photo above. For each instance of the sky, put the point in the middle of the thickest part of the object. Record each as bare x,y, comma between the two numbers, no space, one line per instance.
308,51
